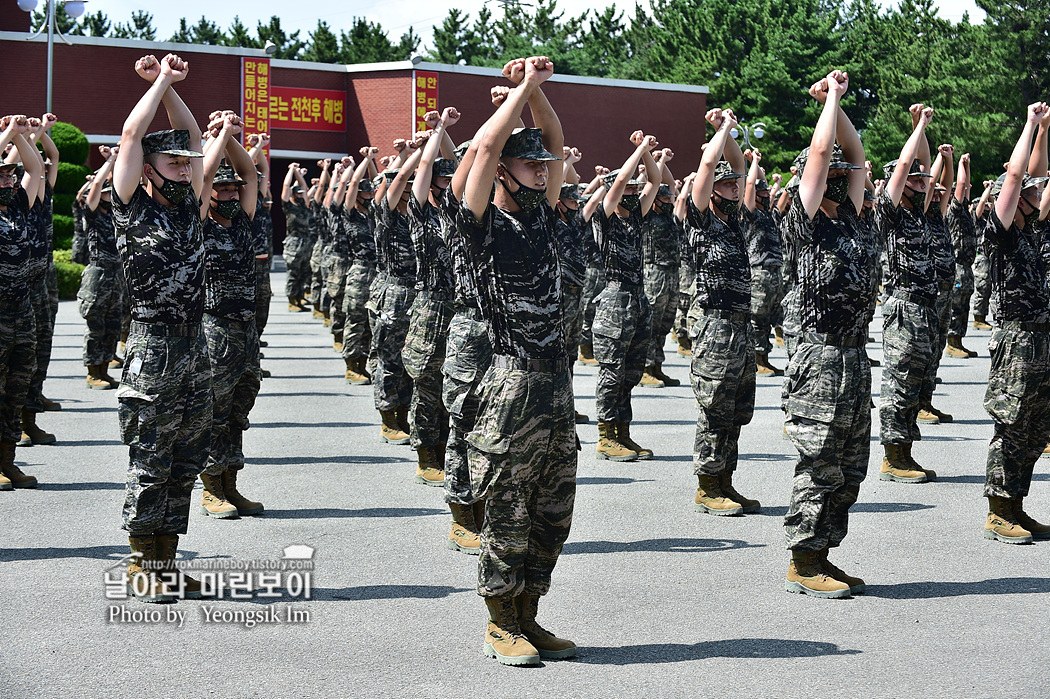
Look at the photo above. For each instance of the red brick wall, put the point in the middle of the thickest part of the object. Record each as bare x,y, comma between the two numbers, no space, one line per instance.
380,109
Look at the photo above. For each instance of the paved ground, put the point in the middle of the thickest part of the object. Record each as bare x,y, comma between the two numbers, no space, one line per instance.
663,602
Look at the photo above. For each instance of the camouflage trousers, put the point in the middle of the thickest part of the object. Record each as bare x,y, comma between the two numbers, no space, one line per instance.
423,356
593,284
622,327
791,322
392,384
572,317
44,321
982,284
523,461
765,299
722,372
962,290
909,336
263,293
468,354
297,251
100,304
686,291
233,354
661,289
1018,400
317,274
827,393
357,328
335,285
17,363
943,310
165,411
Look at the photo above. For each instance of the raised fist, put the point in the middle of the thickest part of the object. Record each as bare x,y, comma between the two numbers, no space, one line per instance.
49,120
499,95
384,162
637,137
776,178
431,118
651,142
964,160
668,155
1037,111
714,118
514,70
450,116
819,90
174,66
148,67
399,144
538,69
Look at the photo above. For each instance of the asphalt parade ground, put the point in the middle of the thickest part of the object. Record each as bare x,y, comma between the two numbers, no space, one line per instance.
662,601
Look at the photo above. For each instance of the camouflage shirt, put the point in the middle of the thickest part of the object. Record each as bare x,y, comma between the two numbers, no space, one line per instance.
162,251
571,251
433,262
394,249
515,263
466,289
14,249
338,246
590,244
787,250
79,245
723,275
41,234
909,249
835,270
101,237
763,239
1018,272
943,252
360,235
660,239
229,269
963,233
620,241
297,218
262,229
319,223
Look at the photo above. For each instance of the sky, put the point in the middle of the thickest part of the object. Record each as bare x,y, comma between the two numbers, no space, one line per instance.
395,16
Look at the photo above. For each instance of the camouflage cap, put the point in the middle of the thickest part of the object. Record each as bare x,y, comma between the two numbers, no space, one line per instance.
608,180
366,186
444,167
391,174
570,191
526,144
792,185
837,162
1026,182
226,175
170,142
108,187
869,195
916,168
724,171
664,190
376,181
761,186
8,166
461,149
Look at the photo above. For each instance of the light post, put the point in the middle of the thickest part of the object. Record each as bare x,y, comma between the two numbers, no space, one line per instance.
758,130
74,8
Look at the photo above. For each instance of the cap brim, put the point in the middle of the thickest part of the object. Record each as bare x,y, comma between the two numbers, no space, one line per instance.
236,182
535,155
181,153
842,165
734,176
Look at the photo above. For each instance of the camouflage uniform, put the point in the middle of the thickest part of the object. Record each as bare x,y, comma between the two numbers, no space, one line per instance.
1018,395
982,282
17,327
523,455
79,245
357,327
828,384
298,244
572,254
233,340
391,304
593,283
336,265
722,370
686,284
165,401
660,271
789,311
909,319
262,242
766,260
41,268
944,264
964,242
99,298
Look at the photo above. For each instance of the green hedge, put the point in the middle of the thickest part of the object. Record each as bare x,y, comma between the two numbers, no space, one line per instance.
68,273
63,204
70,178
63,232
72,144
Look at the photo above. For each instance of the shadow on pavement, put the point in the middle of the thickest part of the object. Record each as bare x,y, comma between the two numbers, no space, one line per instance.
90,410
44,554
370,592
768,457
81,486
331,512
932,590
890,506
981,479
610,480
270,394
658,545
309,425
729,648
281,460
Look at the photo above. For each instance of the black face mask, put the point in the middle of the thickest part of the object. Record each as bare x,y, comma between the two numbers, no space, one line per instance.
174,191
103,205
7,195
837,189
762,202
916,197
1031,217
226,209
571,214
526,198
728,207
631,202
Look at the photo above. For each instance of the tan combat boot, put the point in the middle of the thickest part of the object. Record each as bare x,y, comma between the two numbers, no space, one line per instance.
581,419
623,436
939,416
1002,525
390,432
464,534
31,434
49,405
96,378
649,380
175,582
711,499
981,323
856,585
587,354
213,499
764,368
931,475
548,645
778,336
895,467
229,489
953,348
5,483
668,381
337,342
725,482
327,315
294,306
12,474
355,372
685,347
504,640
1037,530
143,581
116,363
609,448
805,576
428,468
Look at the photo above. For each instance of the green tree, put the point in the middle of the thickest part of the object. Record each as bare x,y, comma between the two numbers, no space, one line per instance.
63,22
450,38
288,45
239,35
140,27
366,42
324,45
